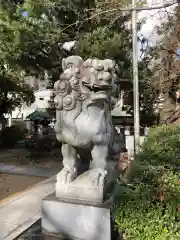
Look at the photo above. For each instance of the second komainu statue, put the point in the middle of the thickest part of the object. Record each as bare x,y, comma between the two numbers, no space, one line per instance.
84,126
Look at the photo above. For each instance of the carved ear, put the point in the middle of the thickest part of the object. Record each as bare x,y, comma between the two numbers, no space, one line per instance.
112,65
117,69
56,84
63,64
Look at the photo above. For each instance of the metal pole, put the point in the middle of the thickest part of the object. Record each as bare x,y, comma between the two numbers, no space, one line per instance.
135,78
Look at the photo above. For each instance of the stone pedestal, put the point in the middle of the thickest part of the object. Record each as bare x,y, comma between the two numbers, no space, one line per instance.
84,189
75,220
78,192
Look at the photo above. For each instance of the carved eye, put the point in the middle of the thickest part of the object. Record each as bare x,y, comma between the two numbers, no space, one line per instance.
88,63
77,70
110,69
100,67
69,65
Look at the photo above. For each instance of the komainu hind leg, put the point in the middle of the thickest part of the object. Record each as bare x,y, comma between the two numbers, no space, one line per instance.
98,165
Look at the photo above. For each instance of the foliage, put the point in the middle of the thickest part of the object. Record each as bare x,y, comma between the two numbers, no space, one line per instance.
32,36
162,146
25,46
10,136
166,78
13,91
148,207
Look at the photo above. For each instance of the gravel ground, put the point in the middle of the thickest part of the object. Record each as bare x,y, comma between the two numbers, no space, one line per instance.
21,157
11,184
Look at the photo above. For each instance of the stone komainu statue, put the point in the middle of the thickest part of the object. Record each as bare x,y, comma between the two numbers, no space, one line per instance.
83,119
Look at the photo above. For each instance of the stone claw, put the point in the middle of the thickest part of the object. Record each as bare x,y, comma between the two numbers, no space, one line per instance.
66,176
98,177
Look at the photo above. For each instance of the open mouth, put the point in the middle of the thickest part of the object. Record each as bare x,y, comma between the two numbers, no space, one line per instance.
97,88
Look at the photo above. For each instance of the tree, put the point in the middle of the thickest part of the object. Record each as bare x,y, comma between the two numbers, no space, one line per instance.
166,78
13,92
36,30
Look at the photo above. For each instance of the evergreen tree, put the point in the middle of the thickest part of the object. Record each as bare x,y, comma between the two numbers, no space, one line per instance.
32,35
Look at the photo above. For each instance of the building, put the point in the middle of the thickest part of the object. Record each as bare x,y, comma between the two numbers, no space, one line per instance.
43,102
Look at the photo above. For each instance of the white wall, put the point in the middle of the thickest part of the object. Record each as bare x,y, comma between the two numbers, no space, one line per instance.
17,113
42,98
130,144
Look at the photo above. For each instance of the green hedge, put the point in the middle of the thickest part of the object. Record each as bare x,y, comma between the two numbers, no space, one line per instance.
148,207
162,146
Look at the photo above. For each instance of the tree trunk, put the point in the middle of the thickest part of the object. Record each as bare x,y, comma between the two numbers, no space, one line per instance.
2,122
168,109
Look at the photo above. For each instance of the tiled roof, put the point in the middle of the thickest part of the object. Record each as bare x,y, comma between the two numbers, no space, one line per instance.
117,112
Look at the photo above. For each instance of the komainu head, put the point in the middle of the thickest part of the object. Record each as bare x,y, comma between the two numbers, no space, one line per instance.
93,78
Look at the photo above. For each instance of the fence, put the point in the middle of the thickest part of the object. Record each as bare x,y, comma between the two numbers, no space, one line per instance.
128,133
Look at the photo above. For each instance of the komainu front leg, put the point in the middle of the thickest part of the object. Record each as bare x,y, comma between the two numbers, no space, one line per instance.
98,165
69,172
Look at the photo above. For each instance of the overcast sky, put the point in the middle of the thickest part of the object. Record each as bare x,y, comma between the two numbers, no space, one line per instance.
153,18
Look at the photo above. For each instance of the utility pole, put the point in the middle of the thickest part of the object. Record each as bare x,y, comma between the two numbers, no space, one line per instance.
134,9
135,78
135,66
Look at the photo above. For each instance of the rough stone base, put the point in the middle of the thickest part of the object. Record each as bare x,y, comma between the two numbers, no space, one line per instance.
83,189
76,192
75,220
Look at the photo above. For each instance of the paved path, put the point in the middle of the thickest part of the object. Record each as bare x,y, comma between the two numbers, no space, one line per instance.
23,210
28,170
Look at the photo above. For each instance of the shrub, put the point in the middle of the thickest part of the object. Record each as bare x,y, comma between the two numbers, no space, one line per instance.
162,147
149,206
40,146
10,136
